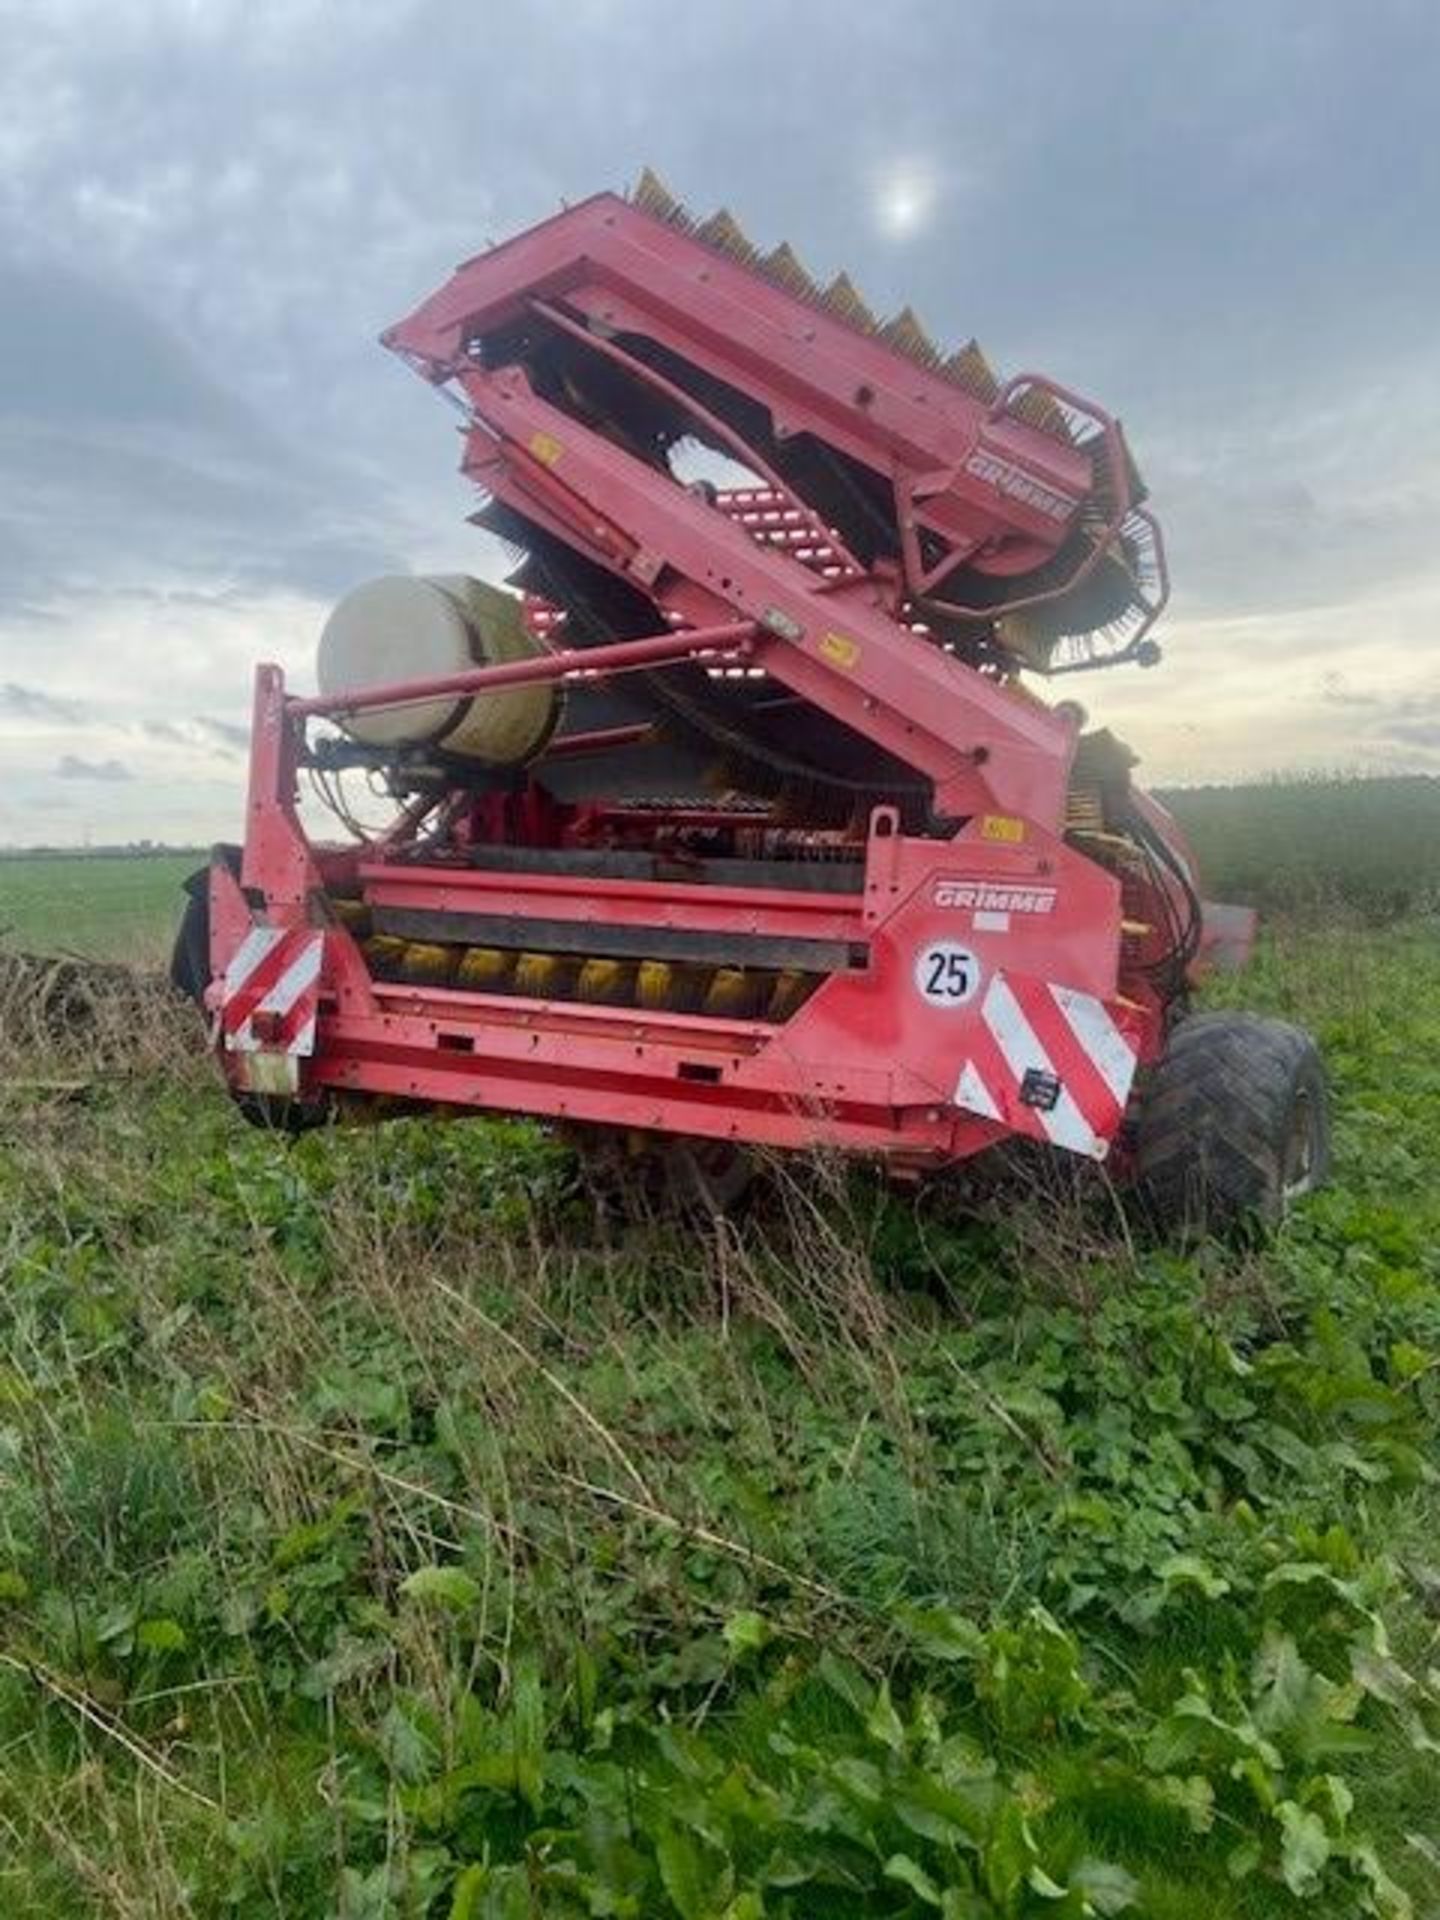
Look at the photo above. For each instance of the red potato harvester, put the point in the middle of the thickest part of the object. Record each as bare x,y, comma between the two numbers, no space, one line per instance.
735,825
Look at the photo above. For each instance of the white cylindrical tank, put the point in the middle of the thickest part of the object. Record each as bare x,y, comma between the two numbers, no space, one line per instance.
422,626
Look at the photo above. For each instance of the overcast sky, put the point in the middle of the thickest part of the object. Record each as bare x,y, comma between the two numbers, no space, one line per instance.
1220,217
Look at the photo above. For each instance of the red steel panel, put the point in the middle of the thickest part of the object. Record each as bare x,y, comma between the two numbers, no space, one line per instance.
624,903
632,272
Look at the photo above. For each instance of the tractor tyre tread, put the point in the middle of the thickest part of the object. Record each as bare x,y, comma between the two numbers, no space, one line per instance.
1216,1123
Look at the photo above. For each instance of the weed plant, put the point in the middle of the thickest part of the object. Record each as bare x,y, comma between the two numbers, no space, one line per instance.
390,1527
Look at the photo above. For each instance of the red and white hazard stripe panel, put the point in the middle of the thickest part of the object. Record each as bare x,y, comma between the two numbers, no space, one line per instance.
272,991
1049,1062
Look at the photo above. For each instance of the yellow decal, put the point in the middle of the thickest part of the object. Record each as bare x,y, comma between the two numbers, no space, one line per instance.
546,448
840,650
1002,826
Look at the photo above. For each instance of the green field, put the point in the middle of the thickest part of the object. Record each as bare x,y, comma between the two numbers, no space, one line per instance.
389,1529
105,907
1368,846
1371,846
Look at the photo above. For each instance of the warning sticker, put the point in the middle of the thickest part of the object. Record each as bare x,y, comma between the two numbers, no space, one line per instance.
840,650
1003,827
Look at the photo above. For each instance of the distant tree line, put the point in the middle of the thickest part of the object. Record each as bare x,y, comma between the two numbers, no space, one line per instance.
131,850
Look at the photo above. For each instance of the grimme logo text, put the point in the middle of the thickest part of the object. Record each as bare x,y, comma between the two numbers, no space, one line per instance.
1019,485
994,896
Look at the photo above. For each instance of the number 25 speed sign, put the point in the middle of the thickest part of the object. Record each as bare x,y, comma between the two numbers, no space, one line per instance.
946,974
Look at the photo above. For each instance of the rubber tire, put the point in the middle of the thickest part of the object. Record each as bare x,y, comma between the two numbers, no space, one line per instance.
190,956
706,1177
1231,1103
672,1177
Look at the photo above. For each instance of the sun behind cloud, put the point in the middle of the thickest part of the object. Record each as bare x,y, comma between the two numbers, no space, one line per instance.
905,195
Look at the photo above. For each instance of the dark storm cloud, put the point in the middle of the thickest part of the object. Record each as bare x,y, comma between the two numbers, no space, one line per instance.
82,354
72,767
130,465
217,209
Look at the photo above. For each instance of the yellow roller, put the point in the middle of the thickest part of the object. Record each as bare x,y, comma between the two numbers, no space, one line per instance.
546,976
663,986
352,914
653,986
791,990
485,969
382,953
607,983
737,993
427,965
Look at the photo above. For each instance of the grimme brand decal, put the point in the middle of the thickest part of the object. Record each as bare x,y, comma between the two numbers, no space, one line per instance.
995,896
1017,484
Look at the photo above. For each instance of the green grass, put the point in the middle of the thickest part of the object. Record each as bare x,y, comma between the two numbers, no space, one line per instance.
388,1530
385,1531
105,907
